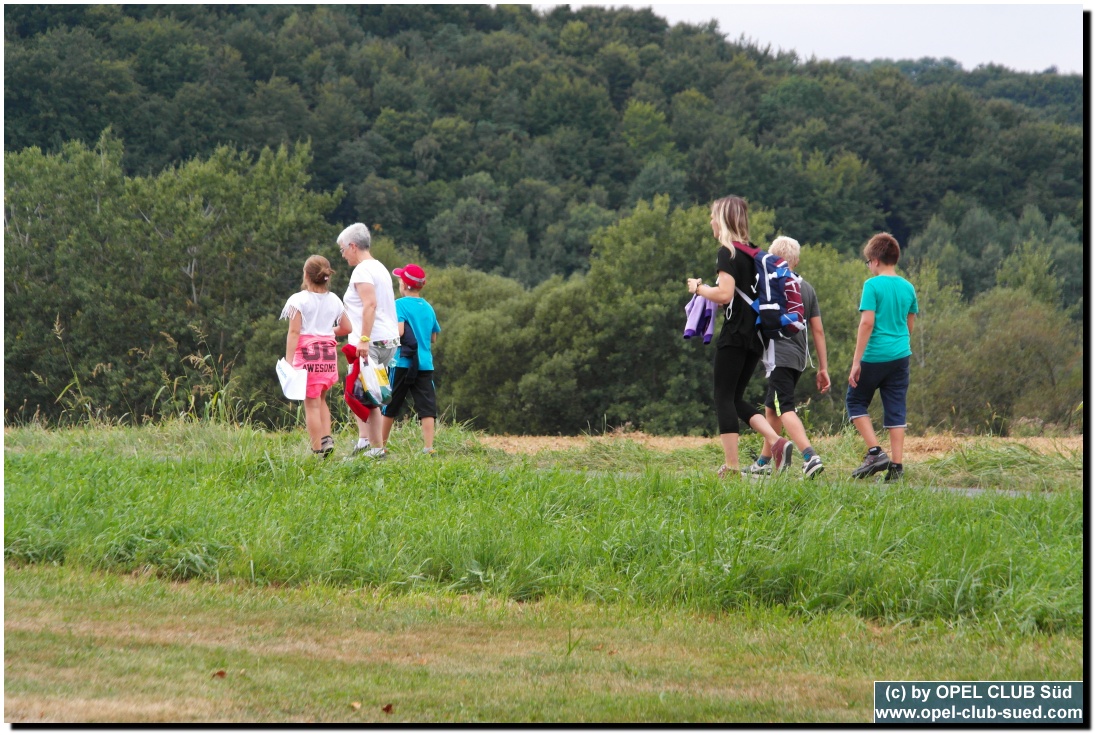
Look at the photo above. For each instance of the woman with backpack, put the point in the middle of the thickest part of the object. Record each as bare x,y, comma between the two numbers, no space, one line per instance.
739,346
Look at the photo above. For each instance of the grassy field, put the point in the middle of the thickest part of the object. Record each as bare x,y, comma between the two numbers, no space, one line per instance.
85,646
612,583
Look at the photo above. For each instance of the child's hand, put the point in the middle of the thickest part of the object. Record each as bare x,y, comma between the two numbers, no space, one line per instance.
853,376
823,382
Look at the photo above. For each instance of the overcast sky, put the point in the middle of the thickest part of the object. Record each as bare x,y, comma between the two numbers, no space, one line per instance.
1027,38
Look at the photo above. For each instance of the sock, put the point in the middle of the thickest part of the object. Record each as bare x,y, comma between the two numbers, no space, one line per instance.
874,451
762,460
362,443
807,453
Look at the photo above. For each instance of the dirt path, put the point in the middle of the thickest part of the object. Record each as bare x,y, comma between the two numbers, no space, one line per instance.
916,447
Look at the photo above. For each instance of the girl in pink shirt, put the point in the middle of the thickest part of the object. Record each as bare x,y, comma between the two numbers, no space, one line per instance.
316,316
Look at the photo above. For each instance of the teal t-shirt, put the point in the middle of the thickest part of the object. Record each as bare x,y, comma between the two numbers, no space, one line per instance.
419,314
892,299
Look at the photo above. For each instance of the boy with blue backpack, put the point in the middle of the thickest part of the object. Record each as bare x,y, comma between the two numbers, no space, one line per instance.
791,358
888,308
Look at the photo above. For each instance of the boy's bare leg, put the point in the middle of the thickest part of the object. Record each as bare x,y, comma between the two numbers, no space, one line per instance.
866,430
389,421
777,425
428,426
897,444
795,430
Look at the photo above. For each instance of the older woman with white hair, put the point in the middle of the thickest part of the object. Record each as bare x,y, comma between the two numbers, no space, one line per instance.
370,304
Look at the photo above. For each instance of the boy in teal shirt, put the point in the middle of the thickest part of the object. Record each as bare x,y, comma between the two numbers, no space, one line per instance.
888,309
414,372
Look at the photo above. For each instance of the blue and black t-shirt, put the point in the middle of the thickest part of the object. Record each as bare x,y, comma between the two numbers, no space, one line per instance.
418,313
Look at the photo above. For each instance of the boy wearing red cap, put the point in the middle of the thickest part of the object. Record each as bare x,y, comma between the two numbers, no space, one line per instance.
418,330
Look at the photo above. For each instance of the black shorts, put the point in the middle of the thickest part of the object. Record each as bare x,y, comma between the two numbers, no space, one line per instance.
781,389
421,390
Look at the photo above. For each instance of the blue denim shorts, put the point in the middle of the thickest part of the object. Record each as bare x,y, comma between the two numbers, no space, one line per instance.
891,380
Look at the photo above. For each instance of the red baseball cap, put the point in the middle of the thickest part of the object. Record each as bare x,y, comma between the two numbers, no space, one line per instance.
412,275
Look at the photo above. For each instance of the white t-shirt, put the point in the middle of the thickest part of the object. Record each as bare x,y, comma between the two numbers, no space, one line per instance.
385,327
319,313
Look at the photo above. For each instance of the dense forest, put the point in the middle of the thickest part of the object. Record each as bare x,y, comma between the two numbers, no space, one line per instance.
169,168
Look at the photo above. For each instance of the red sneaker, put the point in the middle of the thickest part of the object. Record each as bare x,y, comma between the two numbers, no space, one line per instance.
781,455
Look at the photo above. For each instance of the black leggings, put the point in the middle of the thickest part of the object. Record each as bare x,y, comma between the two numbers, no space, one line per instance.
734,367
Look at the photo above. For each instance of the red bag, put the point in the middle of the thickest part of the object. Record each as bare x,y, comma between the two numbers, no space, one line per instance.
360,409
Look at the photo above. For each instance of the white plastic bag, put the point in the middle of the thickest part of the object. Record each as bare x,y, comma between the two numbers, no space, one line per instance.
294,381
374,379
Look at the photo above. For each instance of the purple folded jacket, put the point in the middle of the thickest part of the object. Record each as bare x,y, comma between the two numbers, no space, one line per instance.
700,318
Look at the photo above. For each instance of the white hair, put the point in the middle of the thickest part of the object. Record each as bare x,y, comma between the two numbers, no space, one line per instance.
786,248
357,235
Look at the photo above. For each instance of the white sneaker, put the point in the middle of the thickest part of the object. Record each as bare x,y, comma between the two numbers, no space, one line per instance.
757,471
376,453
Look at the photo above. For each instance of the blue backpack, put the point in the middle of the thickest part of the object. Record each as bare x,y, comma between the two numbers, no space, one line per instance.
780,314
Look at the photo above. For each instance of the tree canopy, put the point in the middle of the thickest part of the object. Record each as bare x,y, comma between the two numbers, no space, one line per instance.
596,105
168,169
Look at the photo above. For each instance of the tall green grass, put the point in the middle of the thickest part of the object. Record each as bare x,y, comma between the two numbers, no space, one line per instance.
188,500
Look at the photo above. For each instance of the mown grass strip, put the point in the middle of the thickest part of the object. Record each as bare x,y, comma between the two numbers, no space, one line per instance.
83,646
209,502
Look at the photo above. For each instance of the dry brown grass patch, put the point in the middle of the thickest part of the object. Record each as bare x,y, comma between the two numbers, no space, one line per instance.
24,709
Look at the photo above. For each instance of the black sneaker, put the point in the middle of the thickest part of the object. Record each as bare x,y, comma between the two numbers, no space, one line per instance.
871,464
894,472
812,467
